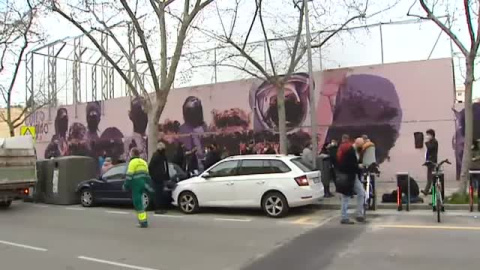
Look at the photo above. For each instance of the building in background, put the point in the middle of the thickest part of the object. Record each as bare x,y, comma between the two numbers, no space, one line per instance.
4,131
460,94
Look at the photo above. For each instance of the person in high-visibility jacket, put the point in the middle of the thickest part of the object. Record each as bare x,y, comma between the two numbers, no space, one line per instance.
138,182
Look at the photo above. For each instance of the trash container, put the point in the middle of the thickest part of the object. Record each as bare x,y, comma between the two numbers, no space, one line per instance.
62,175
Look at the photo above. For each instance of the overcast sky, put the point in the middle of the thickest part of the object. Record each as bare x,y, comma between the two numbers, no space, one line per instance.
405,42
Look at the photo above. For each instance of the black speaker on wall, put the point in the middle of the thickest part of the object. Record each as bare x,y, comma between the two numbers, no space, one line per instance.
418,136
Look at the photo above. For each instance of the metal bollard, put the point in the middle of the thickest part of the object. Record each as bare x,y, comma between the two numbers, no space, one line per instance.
401,175
472,189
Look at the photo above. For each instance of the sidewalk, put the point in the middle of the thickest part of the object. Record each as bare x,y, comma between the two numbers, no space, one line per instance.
387,187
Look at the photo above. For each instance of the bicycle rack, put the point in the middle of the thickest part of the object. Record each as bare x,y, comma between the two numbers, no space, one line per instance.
472,189
401,175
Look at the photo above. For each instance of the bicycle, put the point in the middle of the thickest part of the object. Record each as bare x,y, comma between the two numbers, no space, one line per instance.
370,202
437,189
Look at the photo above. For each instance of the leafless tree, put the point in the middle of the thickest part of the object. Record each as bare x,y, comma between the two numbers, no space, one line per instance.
285,47
152,21
469,49
18,32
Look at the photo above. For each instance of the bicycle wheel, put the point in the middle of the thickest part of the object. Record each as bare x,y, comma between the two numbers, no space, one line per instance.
470,197
439,206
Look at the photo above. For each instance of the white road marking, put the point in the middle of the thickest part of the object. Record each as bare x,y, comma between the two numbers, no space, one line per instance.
117,212
233,219
40,205
74,208
327,220
23,246
114,263
169,216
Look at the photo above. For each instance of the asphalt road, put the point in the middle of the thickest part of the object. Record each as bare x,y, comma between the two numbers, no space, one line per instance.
57,237
390,240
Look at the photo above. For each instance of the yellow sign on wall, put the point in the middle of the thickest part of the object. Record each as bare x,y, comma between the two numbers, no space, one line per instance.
28,130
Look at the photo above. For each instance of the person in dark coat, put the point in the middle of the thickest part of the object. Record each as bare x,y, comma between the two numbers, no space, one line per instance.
349,170
179,156
431,156
159,173
212,156
191,162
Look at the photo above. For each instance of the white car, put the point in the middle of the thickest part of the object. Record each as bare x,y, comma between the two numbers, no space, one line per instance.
274,183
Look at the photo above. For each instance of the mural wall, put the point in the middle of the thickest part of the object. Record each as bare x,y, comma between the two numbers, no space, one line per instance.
389,103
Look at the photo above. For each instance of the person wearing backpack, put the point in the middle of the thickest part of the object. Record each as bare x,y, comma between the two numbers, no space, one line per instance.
348,182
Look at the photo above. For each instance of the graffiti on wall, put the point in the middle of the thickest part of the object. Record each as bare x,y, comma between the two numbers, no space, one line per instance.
368,100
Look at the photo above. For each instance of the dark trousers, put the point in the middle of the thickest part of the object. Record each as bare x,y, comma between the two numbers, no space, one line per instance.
429,179
160,196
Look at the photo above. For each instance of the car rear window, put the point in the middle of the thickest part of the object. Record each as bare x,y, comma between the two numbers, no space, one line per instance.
305,167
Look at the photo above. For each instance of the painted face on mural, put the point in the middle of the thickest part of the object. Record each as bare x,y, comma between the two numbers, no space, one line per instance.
367,104
111,143
264,103
138,116
61,122
459,139
77,143
93,112
193,112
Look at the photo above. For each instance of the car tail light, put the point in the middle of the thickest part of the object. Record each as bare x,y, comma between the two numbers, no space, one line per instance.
302,181
26,191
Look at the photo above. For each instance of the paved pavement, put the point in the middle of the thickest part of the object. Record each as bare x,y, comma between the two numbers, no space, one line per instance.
57,237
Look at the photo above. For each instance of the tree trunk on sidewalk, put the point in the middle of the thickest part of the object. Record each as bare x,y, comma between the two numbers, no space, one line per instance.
282,119
469,79
154,113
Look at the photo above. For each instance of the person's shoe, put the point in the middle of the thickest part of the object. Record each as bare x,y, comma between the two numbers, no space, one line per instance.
360,219
143,225
160,212
424,192
347,222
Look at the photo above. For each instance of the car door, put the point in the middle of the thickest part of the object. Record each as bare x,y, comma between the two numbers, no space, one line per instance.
114,180
217,185
257,176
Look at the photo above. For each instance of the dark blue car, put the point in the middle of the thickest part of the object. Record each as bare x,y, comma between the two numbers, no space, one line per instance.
108,188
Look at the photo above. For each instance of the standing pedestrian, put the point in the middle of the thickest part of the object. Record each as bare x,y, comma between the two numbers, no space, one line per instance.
159,172
137,182
307,154
191,162
269,150
475,164
107,165
179,156
430,156
332,149
212,157
348,182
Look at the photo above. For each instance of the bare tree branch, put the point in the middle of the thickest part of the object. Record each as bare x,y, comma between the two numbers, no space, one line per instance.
141,35
448,31
267,43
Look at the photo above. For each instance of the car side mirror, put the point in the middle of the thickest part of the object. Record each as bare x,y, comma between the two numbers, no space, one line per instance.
206,175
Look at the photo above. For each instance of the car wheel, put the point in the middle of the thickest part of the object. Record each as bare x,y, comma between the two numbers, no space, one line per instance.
146,201
188,203
86,198
5,204
275,204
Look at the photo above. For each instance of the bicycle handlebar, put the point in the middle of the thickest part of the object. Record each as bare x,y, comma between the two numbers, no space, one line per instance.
437,165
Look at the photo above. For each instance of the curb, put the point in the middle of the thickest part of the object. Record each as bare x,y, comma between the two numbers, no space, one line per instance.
392,206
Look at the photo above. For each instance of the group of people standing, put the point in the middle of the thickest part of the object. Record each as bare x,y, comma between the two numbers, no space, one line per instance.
347,160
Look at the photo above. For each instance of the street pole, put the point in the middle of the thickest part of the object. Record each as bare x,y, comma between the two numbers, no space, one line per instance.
313,111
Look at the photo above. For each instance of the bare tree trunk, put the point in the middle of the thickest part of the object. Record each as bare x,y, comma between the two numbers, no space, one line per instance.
282,119
12,131
154,114
466,160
